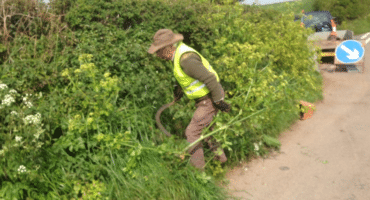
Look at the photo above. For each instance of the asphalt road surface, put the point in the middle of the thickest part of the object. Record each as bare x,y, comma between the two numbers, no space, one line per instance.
326,157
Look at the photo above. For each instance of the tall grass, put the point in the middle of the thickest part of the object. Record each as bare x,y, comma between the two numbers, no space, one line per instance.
158,177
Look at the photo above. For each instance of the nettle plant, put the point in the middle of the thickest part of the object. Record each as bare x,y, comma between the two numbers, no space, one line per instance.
22,133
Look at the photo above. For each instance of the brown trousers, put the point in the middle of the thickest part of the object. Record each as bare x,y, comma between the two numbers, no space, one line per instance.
202,118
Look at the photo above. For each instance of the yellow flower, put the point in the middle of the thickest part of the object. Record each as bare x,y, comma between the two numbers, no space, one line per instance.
85,57
65,72
89,120
91,65
99,137
103,84
107,74
77,71
70,127
84,67
264,82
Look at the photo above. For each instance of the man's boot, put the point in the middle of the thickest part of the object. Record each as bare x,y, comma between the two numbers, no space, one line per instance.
214,146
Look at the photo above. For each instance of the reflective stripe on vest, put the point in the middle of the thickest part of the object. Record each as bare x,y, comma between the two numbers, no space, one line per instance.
192,88
196,89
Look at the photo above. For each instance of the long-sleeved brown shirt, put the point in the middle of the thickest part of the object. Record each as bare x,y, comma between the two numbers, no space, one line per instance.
192,65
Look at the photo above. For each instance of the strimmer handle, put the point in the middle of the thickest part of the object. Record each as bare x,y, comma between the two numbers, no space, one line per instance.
158,119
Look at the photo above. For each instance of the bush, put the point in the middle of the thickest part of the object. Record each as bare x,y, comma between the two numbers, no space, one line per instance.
343,9
90,129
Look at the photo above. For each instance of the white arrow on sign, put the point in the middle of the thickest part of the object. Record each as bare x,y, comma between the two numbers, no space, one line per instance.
353,55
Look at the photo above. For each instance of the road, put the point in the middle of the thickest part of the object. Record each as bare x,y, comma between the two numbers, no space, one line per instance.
326,157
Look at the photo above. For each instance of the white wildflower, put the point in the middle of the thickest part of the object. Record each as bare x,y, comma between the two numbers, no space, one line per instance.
12,91
8,100
28,104
37,135
28,119
40,95
36,119
14,113
3,86
26,97
256,147
22,169
18,138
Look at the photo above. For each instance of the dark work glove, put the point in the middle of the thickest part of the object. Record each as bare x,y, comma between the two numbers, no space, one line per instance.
177,92
223,106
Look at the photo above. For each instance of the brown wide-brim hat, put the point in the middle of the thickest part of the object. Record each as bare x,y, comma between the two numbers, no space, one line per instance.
162,38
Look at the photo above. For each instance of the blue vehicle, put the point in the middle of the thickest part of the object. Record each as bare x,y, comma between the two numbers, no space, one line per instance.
321,21
324,25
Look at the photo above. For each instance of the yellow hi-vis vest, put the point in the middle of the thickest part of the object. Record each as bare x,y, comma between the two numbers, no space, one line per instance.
192,88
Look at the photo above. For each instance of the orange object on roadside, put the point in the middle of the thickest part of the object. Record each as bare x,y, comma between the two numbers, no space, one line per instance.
334,32
302,24
310,108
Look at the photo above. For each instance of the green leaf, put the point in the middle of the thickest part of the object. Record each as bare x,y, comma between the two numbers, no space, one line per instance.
270,141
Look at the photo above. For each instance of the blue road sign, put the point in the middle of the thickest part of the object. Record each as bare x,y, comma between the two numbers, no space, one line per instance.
349,51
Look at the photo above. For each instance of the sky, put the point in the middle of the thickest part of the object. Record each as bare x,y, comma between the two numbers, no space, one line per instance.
248,2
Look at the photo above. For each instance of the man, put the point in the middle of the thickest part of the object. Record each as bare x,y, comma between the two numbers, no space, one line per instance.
200,82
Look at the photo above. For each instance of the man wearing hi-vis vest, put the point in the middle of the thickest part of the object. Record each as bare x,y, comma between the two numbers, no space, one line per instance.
199,81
